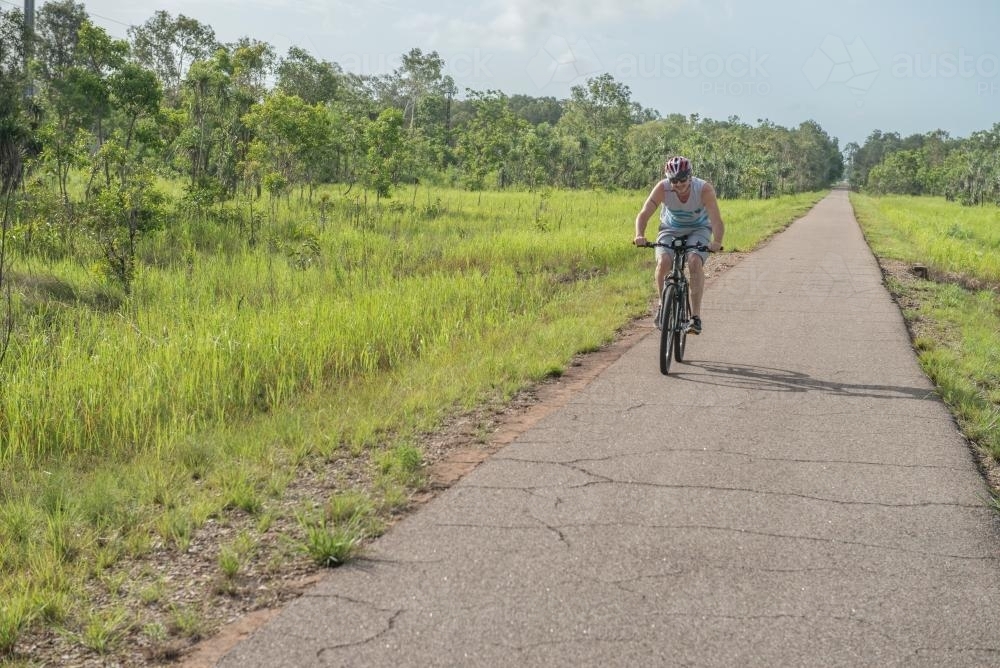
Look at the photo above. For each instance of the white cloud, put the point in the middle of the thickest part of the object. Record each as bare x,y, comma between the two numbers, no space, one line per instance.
518,24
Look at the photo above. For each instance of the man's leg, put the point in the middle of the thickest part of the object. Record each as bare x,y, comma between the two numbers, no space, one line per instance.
664,263
697,271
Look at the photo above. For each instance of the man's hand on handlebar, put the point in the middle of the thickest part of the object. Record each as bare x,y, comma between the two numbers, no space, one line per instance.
640,241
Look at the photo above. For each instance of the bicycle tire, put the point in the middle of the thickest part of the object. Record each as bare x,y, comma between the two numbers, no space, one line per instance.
668,329
682,318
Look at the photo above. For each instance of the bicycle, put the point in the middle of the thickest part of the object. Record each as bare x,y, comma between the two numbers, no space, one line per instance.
674,316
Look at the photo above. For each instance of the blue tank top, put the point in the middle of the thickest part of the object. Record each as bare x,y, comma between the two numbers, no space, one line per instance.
687,216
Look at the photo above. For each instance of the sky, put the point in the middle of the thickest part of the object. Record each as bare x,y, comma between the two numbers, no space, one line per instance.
907,66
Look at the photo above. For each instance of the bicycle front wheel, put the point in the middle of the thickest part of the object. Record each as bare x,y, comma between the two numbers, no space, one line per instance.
683,317
668,331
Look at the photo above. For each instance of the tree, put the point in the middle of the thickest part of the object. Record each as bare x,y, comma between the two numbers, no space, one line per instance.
898,173
599,114
14,138
127,204
217,95
169,47
876,147
57,34
383,137
421,75
425,95
312,80
99,55
536,110
296,137
489,139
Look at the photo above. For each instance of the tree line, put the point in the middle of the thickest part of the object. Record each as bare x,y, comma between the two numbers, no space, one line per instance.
89,123
934,163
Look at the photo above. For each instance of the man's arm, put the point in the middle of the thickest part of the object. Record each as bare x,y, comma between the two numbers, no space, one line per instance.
711,203
654,200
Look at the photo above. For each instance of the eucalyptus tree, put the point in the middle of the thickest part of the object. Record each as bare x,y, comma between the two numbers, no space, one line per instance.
57,34
977,180
489,139
217,94
424,94
315,81
599,115
537,110
292,138
127,204
876,147
98,55
67,93
898,173
169,46
383,139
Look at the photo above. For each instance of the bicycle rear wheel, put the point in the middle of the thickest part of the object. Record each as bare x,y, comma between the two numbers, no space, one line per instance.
668,331
683,316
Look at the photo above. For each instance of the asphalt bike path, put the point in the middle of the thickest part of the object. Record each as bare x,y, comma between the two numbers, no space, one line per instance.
795,494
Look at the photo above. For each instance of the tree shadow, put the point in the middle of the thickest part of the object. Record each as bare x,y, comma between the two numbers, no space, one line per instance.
768,379
38,291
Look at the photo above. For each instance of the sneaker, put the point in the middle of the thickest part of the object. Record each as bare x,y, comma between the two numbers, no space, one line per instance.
695,326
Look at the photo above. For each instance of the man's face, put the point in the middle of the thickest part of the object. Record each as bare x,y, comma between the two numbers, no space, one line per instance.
682,186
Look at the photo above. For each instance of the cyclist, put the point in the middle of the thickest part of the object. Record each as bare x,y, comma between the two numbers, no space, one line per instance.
689,208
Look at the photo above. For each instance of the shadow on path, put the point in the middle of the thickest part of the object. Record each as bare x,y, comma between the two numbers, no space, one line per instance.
766,379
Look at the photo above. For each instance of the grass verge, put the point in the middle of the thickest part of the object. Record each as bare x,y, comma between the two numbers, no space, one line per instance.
955,329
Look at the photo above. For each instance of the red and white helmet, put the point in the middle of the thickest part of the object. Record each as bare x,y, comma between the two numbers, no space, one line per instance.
677,167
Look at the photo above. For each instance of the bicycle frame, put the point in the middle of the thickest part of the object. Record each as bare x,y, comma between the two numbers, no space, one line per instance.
675,303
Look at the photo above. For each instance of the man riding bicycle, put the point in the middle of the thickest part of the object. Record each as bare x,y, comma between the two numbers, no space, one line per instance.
690,209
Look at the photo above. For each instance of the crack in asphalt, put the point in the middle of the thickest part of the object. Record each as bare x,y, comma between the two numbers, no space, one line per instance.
587,638
603,480
987,650
709,527
809,497
734,453
390,625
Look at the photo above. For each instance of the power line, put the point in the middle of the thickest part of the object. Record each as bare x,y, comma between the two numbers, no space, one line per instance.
89,14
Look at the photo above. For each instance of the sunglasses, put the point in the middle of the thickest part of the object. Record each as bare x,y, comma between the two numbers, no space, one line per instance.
679,179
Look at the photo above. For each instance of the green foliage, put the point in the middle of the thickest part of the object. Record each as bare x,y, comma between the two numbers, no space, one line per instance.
383,137
488,141
966,170
122,211
167,46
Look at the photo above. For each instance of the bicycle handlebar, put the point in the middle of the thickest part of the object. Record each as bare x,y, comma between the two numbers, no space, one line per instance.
698,247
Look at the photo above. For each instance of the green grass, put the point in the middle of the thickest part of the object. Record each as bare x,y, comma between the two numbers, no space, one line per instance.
956,330
942,235
131,422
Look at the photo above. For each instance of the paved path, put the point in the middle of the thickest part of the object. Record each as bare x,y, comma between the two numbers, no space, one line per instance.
794,496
